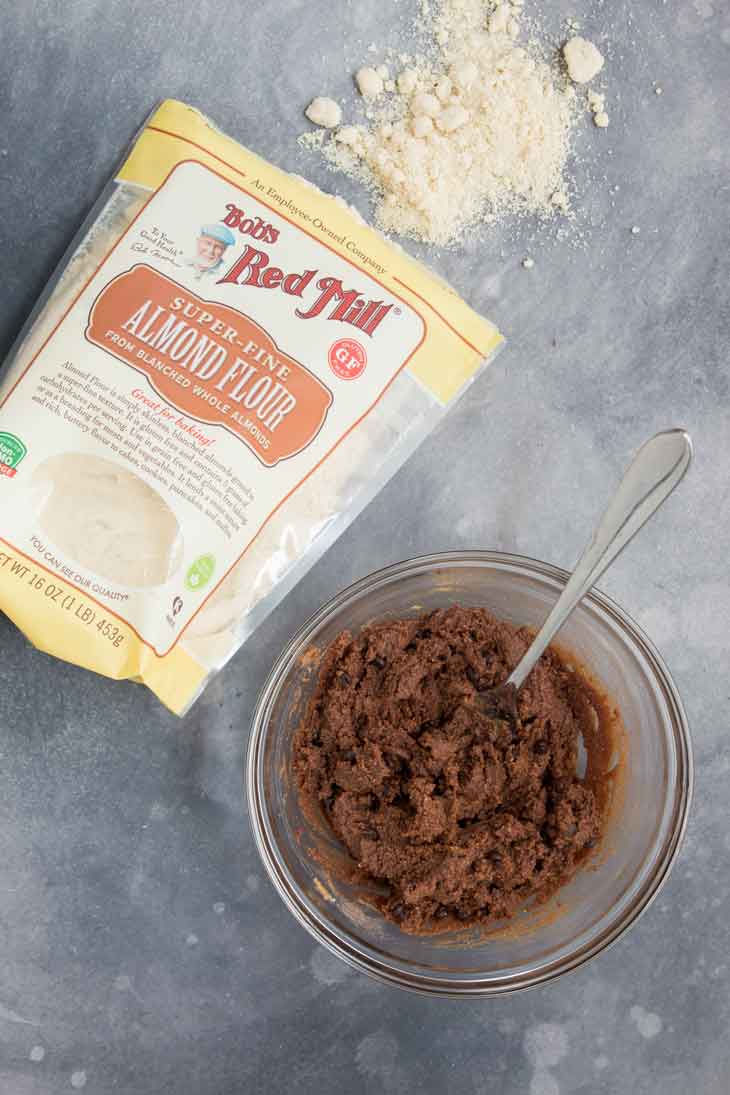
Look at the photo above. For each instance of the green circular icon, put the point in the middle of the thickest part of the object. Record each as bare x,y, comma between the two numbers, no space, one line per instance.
200,573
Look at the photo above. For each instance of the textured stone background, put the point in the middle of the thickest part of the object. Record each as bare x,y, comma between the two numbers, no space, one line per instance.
142,948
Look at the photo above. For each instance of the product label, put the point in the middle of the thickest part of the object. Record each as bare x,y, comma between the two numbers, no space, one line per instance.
211,362
217,355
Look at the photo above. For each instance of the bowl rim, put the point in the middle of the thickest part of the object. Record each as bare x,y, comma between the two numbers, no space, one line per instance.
467,986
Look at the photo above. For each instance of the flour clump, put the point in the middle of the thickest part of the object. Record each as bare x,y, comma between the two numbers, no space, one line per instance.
477,128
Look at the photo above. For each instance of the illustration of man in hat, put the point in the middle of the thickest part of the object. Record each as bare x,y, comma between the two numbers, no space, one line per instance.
210,247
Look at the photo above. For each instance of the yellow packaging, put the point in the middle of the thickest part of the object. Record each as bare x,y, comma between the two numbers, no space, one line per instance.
226,368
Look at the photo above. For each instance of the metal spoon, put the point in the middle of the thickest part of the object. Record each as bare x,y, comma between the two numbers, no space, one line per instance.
655,471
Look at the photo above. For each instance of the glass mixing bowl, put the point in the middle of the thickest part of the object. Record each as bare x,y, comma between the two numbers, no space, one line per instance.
602,900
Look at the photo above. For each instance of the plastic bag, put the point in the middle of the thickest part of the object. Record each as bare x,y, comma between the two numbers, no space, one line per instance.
225,369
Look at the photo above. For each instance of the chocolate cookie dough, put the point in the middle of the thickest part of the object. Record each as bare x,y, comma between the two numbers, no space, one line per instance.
465,817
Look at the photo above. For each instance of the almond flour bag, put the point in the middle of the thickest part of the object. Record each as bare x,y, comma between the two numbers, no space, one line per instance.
221,375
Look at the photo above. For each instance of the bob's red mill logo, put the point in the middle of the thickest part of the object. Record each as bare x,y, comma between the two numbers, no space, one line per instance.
331,299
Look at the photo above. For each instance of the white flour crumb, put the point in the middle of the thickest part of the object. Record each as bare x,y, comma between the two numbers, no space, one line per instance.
601,119
583,59
528,263
635,230
369,82
324,112
648,1023
37,1054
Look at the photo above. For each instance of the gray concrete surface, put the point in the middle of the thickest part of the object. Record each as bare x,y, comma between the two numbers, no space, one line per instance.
142,949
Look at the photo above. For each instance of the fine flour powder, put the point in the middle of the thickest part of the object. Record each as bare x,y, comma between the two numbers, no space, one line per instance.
474,128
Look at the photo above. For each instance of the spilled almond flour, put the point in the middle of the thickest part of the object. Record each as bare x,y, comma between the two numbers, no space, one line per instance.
474,128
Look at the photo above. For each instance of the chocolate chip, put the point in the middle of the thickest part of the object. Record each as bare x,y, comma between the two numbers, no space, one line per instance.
345,679
349,755
441,912
495,858
590,843
316,737
476,679
378,662
541,747
462,914
369,834
399,911
539,864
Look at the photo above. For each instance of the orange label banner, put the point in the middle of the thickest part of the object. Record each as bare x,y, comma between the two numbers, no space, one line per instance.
212,362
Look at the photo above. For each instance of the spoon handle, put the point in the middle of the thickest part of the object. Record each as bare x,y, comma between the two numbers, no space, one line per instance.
655,471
